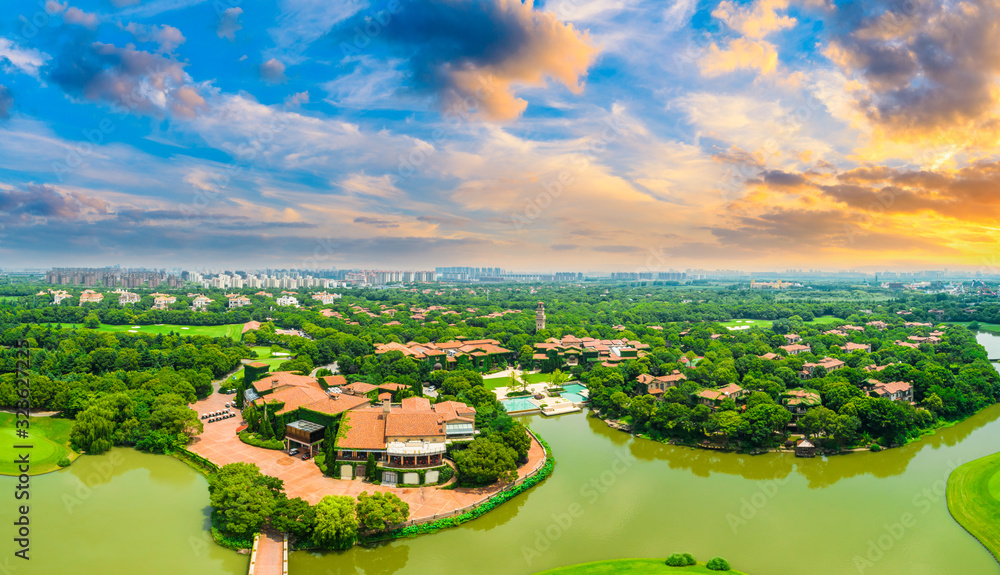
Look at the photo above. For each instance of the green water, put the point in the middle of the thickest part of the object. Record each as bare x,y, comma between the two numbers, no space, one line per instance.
611,496
124,512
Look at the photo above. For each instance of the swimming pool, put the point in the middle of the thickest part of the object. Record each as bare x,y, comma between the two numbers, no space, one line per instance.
512,404
574,392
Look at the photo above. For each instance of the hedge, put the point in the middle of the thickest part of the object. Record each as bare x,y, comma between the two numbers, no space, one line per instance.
254,440
485,507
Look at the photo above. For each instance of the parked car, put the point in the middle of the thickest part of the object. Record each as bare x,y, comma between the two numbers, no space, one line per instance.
293,451
305,456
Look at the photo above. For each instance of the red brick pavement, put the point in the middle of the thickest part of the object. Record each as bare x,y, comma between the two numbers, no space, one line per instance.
270,554
219,444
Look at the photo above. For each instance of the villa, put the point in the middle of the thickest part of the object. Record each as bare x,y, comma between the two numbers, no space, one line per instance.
91,296
658,385
711,397
326,298
796,349
895,390
287,300
851,346
828,363
798,401
163,301
200,302
237,300
879,325
793,338
127,298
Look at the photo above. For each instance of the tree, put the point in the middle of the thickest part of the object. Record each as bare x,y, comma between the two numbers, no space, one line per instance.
295,517
760,423
517,438
93,430
486,461
243,497
818,419
92,321
336,522
380,510
371,469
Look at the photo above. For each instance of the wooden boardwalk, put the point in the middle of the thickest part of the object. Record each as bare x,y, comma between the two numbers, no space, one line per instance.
270,556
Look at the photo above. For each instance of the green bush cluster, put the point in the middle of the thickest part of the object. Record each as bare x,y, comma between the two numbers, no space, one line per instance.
681,560
63,462
255,440
718,564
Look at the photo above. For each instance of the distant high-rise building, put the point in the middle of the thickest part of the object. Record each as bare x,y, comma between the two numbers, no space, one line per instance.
540,317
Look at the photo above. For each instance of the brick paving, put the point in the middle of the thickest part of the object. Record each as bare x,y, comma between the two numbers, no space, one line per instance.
219,444
270,554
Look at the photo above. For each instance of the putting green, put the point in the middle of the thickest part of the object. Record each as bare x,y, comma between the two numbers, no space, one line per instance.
233,331
634,567
974,500
48,438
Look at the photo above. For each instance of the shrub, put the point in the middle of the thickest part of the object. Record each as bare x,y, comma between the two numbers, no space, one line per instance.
718,564
876,447
681,560
256,441
63,462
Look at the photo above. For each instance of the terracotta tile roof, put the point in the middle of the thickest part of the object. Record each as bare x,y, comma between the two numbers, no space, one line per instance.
416,404
362,430
334,380
278,379
893,387
360,387
414,424
392,386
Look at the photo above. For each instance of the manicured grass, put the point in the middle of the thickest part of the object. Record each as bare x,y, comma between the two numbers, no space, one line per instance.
633,567
766,323
537,377
974,500
233,331
48,438
995,327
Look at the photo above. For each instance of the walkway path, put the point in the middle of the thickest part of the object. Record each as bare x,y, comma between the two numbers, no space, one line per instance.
219,444
270,554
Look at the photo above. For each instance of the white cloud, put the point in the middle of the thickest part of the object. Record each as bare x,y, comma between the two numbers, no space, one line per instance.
26,60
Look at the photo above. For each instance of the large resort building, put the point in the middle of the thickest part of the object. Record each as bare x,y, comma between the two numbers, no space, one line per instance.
478,353
571,351
413,433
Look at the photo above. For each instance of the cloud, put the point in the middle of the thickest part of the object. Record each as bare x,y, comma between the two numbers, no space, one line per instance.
372,186
74,15
124,3
166,37
376,222
229,23
35,202
25,60
6,102
470,55
756,20
927,70
133,80
273,71
739,54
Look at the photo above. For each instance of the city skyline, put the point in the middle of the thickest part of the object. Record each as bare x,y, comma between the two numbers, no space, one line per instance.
622,136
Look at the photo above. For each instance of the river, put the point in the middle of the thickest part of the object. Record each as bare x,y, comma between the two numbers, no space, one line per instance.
611,496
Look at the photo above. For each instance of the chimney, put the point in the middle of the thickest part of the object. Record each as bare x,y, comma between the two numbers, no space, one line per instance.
386,405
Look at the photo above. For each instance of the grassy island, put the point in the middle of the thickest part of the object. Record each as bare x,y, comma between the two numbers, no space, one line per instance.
974,500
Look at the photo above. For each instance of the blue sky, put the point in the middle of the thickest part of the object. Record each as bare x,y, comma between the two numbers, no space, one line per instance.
624,135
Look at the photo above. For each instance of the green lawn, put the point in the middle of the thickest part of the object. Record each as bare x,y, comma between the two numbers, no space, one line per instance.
974,500
995,327
233,331
633,567
766,323
48,436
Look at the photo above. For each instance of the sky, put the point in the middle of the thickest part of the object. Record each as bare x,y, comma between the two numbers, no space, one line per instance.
564,135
